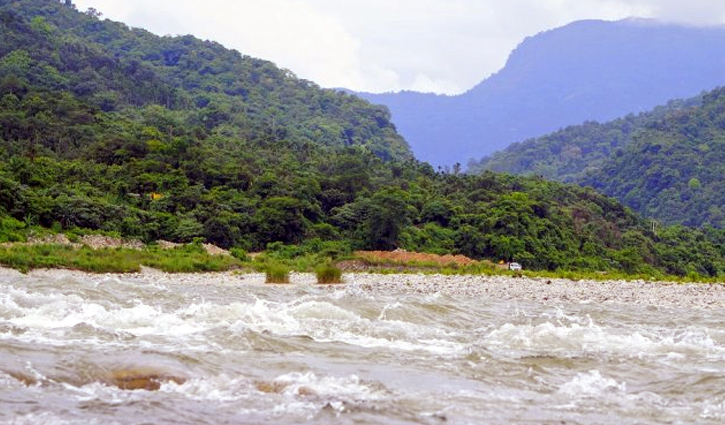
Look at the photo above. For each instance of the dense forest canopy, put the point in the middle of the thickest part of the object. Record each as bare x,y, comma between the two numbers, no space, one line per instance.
113,129
570,154
50,47
666,164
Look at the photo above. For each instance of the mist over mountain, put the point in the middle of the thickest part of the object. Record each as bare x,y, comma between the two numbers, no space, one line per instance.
588,70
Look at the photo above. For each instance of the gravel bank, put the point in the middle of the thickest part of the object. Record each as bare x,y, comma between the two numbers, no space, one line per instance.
548,291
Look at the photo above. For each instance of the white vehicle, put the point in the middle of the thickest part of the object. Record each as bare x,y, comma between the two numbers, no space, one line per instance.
515,266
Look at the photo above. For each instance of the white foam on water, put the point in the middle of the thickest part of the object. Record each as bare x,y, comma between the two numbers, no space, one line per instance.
591,384
326,322
220,388
147,320
433,297
110,395
8,306
316,310
349,387
49,319
406,331
595,389
50,418
267,317
307,394
550,337
139,320
301,394
384,312
713,410
18,301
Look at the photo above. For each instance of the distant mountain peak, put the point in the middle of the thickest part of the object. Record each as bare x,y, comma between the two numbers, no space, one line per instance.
586,70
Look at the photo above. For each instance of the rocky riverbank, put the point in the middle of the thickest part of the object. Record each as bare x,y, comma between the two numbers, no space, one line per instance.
540,290
106,242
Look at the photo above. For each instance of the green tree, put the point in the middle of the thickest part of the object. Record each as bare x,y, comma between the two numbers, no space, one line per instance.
280,219
387,215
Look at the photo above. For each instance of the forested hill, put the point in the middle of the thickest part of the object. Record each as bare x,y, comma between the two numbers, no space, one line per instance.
109,129
668,164
673,171
111,67
572,153
587,70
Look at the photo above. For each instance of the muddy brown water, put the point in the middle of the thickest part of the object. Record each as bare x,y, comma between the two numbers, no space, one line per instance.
82,349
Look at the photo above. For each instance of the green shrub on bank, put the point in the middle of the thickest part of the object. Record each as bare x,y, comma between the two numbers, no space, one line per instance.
328,273
113,260
240,254
12,230
305,257
277,273
193,258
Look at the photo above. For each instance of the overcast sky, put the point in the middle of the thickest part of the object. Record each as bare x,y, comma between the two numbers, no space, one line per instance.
442,46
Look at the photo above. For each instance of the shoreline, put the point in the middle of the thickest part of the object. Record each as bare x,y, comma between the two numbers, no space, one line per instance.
503,288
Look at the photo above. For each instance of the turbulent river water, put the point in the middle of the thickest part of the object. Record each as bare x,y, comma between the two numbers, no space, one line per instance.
81,349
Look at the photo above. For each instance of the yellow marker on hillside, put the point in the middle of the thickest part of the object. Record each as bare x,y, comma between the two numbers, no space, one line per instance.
156,196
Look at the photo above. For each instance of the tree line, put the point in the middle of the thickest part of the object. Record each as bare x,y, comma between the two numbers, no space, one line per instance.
111,129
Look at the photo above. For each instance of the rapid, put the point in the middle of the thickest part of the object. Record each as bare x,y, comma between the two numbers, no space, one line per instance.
227,349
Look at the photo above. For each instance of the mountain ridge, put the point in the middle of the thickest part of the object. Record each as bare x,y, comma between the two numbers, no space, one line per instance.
665,164
587,70
117,66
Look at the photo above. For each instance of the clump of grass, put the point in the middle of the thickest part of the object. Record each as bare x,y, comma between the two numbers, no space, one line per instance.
277,273
240,255
328,273
112,260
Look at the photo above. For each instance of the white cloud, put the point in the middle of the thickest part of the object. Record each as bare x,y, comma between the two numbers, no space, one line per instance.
383,45
700,12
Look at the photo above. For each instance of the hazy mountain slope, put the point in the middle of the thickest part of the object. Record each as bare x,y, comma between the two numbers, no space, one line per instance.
588,70
667,164
570,154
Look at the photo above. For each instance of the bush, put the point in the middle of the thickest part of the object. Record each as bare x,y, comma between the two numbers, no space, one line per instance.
12,230
240,254
277,273
328,274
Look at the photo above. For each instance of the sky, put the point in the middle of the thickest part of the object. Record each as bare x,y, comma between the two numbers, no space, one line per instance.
438,46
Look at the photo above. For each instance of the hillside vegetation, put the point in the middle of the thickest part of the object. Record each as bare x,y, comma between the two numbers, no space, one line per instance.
667,164
572,153
109,129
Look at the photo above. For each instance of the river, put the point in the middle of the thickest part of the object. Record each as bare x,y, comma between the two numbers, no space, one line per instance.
132,349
